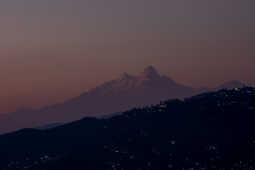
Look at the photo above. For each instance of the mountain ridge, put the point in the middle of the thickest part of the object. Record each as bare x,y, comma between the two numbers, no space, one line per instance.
123,93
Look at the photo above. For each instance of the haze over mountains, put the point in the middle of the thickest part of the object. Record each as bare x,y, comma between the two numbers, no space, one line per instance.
114,96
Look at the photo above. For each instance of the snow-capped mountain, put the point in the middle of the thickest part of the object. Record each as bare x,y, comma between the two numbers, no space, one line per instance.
128,91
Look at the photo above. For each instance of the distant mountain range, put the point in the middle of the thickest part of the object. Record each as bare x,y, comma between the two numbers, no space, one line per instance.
114,96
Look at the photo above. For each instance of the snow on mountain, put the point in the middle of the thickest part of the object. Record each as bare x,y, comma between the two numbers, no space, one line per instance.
115,96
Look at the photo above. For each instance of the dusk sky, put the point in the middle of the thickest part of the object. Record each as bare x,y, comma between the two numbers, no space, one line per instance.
51,50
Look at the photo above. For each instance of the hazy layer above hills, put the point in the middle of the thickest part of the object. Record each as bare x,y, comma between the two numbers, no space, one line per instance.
114,96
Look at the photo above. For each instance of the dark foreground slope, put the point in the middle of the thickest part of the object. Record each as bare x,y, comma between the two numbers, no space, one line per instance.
209,131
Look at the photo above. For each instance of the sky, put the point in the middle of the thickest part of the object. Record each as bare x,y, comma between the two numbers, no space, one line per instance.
52,50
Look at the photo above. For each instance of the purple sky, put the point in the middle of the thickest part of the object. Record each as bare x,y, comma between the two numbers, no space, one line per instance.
51,50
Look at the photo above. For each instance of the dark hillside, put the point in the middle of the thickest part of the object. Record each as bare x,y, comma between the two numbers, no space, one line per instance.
209,131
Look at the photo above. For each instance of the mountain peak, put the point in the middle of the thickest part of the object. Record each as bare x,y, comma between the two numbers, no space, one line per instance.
126,76
150,72
231,84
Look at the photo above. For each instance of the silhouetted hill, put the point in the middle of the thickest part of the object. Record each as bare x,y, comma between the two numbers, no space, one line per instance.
114,96
208,131
49,126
